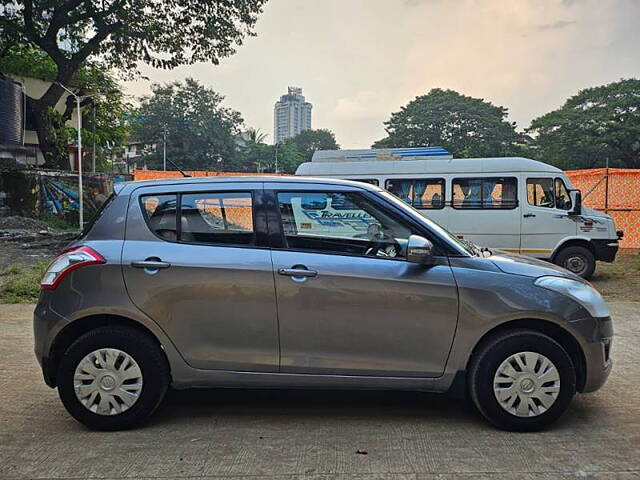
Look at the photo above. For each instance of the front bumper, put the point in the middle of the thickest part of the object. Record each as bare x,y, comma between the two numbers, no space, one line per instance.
598,356
605,249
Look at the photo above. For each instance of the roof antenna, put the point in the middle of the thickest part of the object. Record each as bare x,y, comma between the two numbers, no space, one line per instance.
178,168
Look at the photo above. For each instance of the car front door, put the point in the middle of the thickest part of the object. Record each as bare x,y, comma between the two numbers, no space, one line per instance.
545,216
193,261
348,301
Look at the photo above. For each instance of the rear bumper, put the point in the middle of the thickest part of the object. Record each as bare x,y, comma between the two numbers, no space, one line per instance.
606,249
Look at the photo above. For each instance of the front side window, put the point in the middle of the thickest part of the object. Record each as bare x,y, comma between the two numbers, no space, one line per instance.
485,193
540,192
423,193
160,213
217,218
563,199
348,223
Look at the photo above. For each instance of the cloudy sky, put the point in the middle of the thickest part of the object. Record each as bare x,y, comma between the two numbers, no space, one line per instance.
359,60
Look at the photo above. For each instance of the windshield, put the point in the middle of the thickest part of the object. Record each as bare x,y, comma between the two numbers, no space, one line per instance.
462,246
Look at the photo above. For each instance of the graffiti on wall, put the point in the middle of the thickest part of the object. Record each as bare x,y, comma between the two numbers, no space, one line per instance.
58,195
31,193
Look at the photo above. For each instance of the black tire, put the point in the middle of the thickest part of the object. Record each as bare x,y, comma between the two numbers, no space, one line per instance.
489,357
566,259
146,353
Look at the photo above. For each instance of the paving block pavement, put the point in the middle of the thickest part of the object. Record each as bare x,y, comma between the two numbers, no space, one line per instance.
284,434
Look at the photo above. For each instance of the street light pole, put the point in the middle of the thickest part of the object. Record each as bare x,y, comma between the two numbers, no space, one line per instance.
277,157
80,189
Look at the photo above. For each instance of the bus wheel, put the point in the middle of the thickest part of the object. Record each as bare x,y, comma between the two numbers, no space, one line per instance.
578,260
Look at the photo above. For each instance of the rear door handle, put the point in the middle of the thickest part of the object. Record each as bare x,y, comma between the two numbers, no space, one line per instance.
297,272
529,215
151,264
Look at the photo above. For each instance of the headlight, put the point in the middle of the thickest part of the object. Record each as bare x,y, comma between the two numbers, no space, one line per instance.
583,293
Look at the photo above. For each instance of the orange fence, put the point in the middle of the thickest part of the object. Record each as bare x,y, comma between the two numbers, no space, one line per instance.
617,194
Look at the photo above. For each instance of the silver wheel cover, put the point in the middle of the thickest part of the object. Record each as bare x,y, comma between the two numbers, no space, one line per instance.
526,384
107,381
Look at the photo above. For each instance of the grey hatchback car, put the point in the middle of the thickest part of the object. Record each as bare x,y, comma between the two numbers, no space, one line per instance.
275,282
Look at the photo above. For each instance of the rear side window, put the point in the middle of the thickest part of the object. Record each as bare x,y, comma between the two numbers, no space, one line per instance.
424,193
205,218
485,193
160,213
217,218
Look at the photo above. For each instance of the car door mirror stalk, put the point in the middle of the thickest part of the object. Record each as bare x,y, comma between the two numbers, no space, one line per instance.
419,250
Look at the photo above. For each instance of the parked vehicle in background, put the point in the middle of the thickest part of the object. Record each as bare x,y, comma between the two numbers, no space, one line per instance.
238,282
514,204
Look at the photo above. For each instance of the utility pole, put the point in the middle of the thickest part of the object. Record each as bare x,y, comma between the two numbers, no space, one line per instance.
164,147
606,187
93,150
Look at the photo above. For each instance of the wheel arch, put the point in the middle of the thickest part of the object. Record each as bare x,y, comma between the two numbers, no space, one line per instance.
571,242
553,330
79,327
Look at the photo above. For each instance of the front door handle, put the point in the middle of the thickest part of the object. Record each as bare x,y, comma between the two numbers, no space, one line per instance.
297,272
151,264
529,215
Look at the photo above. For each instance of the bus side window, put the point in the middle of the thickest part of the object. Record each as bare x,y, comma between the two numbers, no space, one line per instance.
423,193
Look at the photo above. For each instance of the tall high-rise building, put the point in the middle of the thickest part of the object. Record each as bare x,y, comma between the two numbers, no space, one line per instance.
291,115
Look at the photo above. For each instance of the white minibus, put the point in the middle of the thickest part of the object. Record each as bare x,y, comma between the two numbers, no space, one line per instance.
514,204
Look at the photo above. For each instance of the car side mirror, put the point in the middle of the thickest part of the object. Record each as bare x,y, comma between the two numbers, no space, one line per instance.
576,199
419,250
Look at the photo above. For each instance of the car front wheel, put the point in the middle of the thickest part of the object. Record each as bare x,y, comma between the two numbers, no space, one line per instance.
522,380
112,378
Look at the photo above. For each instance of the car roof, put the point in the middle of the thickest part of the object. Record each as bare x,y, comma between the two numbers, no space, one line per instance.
125,188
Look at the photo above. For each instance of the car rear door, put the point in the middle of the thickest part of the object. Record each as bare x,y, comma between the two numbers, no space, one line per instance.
195,261
344,312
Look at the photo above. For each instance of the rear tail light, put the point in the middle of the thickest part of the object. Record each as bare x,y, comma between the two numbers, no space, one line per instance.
67,262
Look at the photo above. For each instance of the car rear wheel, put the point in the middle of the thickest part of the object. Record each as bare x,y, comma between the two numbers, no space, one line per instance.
112,378
578,260
522,380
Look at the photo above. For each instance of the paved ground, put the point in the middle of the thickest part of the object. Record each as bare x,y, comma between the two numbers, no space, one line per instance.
310,435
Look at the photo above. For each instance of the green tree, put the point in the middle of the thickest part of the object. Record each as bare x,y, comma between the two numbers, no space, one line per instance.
200,133
122,35
308,141
288,156
465,126
106,125
597,124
